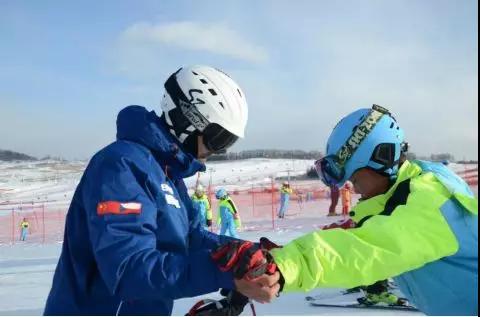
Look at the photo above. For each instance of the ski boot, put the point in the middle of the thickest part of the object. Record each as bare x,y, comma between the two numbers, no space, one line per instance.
352,290
387,298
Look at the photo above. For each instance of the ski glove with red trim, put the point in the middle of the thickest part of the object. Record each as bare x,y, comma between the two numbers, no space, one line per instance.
245,259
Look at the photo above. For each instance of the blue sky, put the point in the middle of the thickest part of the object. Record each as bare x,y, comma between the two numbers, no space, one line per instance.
68,67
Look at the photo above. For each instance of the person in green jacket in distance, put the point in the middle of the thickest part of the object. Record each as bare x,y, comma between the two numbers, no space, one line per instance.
202,205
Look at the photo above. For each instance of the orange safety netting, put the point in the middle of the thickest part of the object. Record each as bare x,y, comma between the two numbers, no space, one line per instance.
46,223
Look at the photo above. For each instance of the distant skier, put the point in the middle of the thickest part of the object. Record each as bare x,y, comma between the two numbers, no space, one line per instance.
285,192
309,196
202,205
416,222
228,216
346,194
334,196
300,198
24,229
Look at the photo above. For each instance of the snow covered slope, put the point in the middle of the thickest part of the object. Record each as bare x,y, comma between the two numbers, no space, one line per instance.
26,270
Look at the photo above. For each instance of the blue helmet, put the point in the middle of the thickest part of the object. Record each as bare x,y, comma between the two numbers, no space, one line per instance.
365,138
221,193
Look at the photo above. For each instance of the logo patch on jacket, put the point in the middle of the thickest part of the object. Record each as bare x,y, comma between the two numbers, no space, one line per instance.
169,195
171,200
166,188
118,208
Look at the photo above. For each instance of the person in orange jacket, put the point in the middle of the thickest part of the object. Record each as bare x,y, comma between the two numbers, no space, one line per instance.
346,194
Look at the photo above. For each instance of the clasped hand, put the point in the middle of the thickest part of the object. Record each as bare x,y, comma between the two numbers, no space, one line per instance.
261,289
256,275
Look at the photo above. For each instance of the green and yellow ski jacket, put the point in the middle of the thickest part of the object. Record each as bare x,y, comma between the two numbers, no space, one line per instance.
423,232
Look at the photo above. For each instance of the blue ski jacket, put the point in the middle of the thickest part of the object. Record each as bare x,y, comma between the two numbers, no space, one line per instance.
132,242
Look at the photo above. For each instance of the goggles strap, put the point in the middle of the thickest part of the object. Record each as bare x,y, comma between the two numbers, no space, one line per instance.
360,133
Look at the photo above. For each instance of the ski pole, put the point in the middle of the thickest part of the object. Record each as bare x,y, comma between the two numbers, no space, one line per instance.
254,313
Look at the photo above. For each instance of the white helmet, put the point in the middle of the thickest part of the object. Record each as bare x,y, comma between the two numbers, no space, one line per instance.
201,100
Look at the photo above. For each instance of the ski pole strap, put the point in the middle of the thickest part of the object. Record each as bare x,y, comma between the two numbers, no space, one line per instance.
195,308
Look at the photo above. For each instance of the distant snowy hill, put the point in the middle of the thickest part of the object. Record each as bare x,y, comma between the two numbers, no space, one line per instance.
9,156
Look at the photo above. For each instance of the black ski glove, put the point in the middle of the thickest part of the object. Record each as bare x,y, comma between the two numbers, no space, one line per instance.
231,305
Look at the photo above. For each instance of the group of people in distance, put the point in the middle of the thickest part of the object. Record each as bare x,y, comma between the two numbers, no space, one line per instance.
228,218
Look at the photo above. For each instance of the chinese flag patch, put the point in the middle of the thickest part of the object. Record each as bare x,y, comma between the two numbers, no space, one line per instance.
118,208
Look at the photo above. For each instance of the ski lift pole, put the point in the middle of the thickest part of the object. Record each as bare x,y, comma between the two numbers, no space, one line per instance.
198,180
273,207
210,181
253,202
209,195
13,225
43,222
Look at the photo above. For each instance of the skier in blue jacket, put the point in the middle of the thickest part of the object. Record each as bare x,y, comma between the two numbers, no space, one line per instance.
131,244
285,192
201,204
228,216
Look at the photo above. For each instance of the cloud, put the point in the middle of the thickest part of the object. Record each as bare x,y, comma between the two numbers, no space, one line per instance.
212,38
304,79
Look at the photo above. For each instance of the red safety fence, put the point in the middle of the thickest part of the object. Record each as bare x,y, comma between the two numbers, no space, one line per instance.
470,175
262,203
46,223
257,203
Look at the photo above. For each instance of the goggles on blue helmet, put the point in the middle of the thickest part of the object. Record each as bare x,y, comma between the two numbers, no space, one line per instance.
331,168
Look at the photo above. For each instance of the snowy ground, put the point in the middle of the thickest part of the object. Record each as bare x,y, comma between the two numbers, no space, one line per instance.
26,273
26,269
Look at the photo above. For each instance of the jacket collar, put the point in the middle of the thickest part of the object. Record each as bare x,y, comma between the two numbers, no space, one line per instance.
375,205
136,124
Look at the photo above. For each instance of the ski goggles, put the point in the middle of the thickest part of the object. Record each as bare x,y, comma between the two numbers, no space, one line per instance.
331,168
218,139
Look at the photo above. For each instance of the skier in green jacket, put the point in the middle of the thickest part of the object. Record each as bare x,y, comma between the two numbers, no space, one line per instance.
416,222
